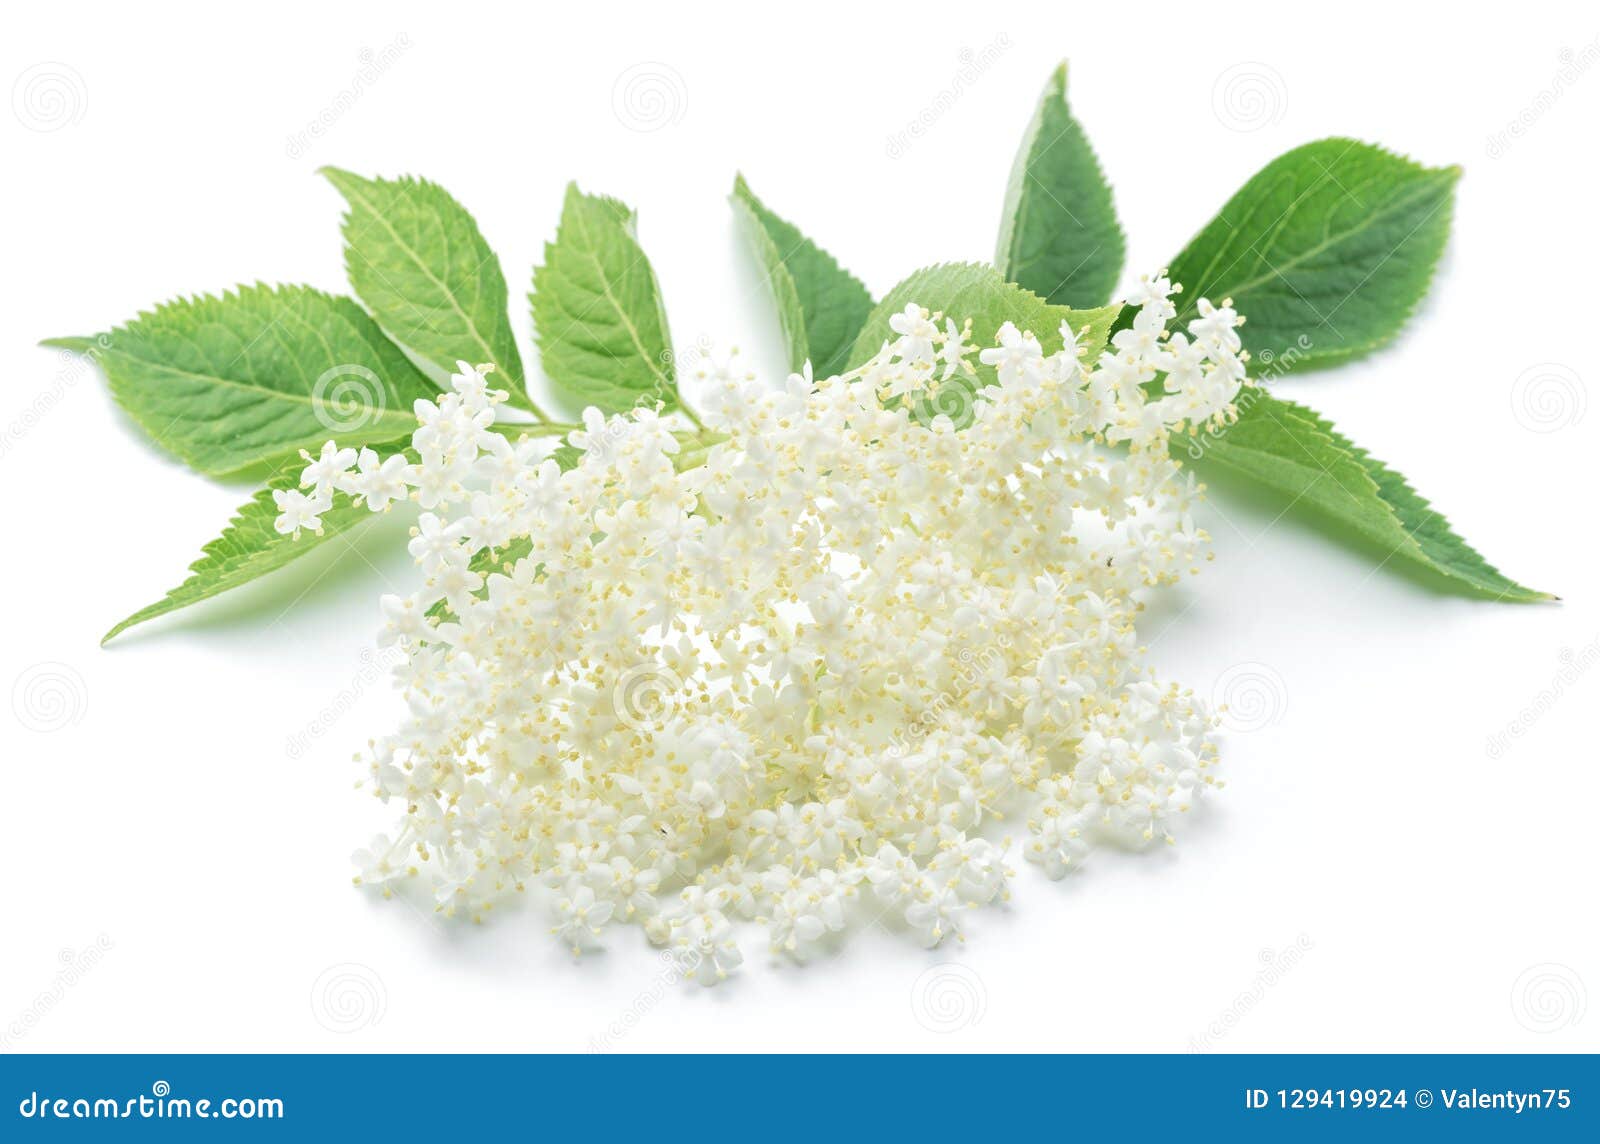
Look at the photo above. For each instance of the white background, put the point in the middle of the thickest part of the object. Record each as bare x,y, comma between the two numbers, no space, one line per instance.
1422,878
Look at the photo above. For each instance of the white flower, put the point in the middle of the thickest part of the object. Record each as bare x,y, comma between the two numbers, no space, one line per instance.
935,914
433,541
327,470
806,909
403,619
580,915
1017,352
953,353
297,511
377,481
470,382
630,886
817,664
376,865
917,332
891,874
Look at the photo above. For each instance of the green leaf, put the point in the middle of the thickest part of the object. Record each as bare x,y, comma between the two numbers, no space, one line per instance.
821,306
1326,252
249,548
1292,449
965,290
256,375
74,345
1059,235
417,259
597,310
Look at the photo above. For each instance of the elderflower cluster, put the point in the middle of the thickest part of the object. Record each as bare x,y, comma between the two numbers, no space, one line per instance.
793,668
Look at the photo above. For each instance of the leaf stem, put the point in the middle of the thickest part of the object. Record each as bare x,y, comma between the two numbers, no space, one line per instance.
683,407
513,429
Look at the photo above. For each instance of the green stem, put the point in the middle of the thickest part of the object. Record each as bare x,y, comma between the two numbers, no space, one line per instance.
690,414
514,429
693,447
